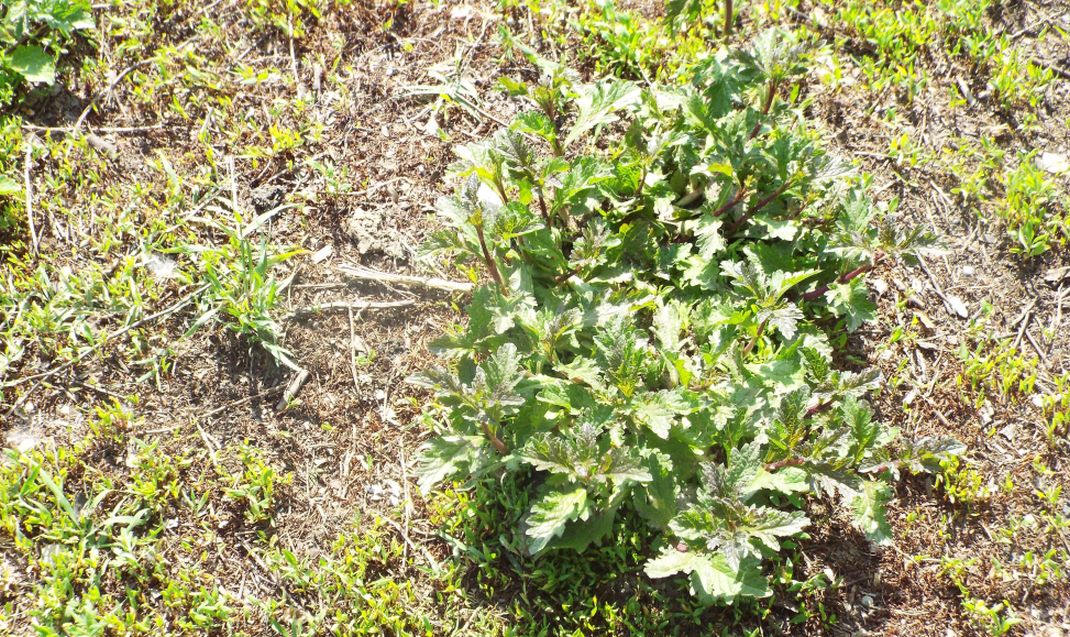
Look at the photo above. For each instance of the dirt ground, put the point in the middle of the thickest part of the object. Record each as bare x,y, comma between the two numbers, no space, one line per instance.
351,438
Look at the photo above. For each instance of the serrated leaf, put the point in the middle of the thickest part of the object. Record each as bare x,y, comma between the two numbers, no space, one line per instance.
446,456
583,533
670,319
597,105
503,371
712,579
786,480
771,524
659,411
657,503
851,301
550,514
868,508
708,235
784,319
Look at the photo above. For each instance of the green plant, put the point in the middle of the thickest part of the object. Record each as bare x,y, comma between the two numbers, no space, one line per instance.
653,342
1036,210
240,287
33,34
255,485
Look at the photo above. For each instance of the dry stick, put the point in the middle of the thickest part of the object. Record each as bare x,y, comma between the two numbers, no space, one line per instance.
218,410
1040,352
389,278
936,286
358,305
407,510
293,61
1023,319
136,324
291,389
28,186
99,129
435,566
353,351
107,92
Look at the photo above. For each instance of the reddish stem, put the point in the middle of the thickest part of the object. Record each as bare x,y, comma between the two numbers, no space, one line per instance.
818,408
846,277
754,341
495,440
742,192
491,265
765,201
786,462
768,104
542,208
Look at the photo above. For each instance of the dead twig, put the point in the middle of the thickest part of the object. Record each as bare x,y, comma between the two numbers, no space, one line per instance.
434,283
349,306
97,129
435,566
353,350
177,305
28,187
292,389
1040,352
93,102
936,286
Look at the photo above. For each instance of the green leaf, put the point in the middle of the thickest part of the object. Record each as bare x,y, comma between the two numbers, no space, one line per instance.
708,234
32,63
787,480
9,186
868,508
659,411
549,516
784,319
583,533
657,502
598,103
712,578
446,456
773,523
851,301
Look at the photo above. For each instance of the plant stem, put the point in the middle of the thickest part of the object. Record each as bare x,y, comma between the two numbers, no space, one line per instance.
491,265
846,277
765,201
786,462
768,104
726,206
757,335
728,18
818,408
495,440
542,208
565,276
